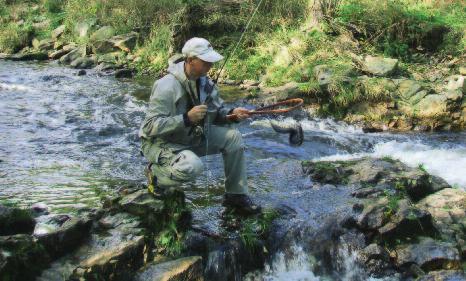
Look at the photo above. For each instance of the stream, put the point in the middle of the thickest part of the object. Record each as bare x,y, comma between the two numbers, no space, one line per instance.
67,140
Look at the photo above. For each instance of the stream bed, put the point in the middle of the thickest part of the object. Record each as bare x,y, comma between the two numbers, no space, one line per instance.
67,140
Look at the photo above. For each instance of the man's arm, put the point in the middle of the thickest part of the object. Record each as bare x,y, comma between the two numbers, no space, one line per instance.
159,121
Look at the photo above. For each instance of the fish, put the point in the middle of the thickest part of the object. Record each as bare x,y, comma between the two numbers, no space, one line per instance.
295,131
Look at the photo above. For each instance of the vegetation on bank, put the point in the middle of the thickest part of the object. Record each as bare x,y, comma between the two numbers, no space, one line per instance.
284,43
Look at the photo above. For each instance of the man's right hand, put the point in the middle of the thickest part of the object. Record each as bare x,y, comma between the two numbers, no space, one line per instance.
197,113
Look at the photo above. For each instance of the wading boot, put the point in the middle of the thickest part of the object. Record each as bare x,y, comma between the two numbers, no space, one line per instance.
241,203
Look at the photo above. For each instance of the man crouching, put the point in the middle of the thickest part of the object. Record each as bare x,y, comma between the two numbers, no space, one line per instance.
185,111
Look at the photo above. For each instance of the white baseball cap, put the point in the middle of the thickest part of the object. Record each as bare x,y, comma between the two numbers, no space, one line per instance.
200,48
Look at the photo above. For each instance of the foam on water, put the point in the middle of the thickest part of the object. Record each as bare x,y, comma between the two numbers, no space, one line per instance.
296,267
445,162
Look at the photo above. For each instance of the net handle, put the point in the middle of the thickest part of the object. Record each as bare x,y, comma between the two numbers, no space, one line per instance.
297,102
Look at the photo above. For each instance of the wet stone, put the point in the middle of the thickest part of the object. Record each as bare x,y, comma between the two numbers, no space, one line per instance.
188,268
115,264
60,234
408,221
444,275
429,254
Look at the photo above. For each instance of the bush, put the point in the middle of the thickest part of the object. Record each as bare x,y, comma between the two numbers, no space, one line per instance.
54,6
156,50
13,38
399,27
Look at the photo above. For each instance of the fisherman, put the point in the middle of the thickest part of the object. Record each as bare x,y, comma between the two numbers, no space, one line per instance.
186,119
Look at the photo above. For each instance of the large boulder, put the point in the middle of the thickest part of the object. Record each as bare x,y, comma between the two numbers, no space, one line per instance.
432,106
72,55
21,257
60,234
82,63
114,264
126,42
408,88
188,268
103,46
407,221
429,254
15,221
103,33
380,66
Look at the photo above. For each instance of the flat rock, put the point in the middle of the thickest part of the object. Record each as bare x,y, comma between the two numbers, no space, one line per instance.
57,32
432,106
140,203
82,63
126,42
380,66
29,56
103,33
429,254
188,268
58,54
114,264
444,275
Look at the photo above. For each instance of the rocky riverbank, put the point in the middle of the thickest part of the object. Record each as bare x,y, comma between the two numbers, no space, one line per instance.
405,223
135,236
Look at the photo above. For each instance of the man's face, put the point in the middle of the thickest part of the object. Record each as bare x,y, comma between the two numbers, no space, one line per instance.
198,67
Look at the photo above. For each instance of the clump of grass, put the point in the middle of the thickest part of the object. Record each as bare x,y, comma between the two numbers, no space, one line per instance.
155,52
13,37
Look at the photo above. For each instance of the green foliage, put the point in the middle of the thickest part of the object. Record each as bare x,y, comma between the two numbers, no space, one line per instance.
13,37
253,229
169,241
422,168
54,6
156,50
399,28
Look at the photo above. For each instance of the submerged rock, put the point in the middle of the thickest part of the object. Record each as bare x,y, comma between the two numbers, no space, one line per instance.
188,268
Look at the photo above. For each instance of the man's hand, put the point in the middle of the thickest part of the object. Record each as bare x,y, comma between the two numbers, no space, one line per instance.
241,113
197,113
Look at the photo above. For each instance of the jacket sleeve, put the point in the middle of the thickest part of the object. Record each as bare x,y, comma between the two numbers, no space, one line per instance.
222,109
159,120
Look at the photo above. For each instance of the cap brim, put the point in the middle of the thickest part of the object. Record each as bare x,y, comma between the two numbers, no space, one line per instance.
211,56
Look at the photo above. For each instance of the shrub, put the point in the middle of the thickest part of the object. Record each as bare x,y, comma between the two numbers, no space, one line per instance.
13,38
400,27
54,6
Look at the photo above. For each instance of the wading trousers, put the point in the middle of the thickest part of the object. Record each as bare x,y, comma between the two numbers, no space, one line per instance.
173,167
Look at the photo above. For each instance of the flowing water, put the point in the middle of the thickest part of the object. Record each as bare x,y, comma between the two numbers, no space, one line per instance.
66,140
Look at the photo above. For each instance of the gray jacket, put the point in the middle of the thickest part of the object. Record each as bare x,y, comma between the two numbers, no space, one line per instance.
171,97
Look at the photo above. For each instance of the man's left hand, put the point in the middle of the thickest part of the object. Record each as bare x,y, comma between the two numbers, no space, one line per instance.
241,113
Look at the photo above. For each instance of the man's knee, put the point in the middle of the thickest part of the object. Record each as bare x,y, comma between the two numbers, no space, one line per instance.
234,140
187,165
